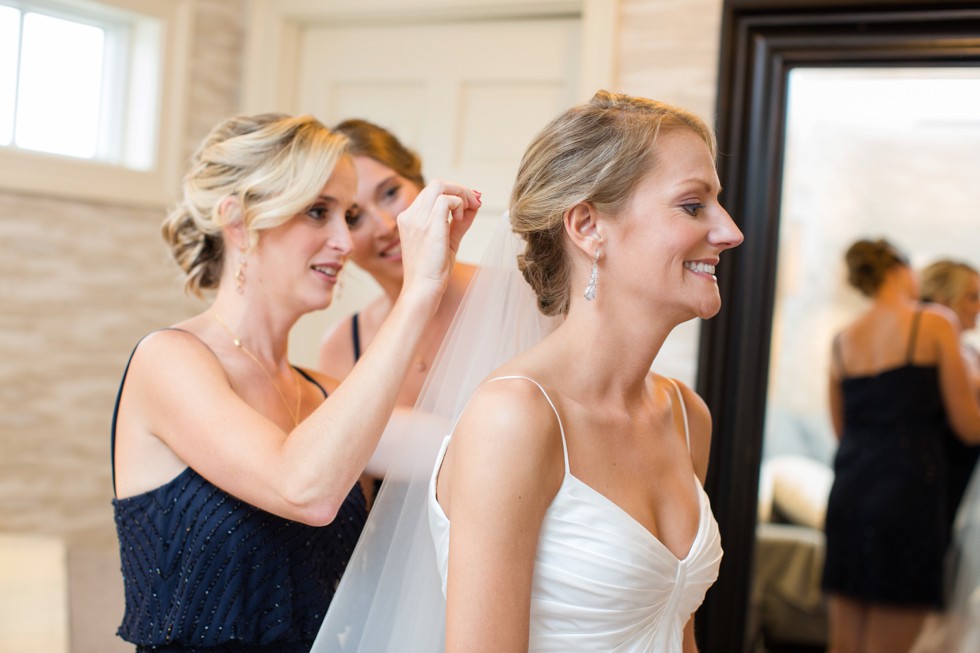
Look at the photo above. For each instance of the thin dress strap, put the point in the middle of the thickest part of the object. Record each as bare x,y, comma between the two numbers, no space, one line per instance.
115,407
680,397
309,378
564,444
912,335
355,334
115,417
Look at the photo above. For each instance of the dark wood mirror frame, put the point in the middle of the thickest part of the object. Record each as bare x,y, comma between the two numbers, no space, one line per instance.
762,40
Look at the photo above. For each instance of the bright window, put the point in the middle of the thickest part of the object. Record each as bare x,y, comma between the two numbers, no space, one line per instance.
92,96
66,76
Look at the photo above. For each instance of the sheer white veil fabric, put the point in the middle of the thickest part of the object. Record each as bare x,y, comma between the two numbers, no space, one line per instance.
957,630
390,598
963,611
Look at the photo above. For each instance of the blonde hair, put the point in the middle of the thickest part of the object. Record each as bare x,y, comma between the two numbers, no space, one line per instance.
945,281
868,261
376,142
595,152
274,164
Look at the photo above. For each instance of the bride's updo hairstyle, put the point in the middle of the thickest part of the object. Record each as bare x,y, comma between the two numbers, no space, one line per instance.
595,152
275,164
869,261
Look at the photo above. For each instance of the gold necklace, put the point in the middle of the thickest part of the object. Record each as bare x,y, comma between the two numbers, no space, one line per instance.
282,396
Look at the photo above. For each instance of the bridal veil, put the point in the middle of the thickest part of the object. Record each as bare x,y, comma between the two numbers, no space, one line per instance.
390,598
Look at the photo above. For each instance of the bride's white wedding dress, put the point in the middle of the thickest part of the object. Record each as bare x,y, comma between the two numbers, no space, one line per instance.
602,581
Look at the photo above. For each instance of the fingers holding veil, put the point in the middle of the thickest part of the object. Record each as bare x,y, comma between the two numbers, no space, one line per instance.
431,230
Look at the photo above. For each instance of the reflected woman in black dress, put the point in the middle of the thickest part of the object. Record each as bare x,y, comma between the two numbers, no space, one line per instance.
898,386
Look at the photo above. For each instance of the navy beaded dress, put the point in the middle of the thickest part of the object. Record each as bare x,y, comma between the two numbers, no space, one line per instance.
887,525
206,573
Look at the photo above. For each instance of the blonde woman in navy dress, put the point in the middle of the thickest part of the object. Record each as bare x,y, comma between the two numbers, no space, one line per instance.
237,504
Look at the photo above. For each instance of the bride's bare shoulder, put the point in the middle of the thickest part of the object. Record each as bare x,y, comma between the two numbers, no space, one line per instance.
509,412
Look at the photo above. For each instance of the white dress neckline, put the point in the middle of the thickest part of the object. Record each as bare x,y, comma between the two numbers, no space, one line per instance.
602,581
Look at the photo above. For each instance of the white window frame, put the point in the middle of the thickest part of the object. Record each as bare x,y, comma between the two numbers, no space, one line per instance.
155,179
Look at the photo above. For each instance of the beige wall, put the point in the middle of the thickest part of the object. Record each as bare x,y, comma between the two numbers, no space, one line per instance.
81,282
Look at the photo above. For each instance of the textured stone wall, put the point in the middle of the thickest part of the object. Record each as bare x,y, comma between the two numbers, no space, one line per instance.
80,283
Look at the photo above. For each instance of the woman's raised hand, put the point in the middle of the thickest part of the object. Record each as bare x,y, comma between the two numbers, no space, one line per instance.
430,231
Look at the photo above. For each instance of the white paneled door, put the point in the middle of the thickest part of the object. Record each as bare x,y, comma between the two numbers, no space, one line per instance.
468,96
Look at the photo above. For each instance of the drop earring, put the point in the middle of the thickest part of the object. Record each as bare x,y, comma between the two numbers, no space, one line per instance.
240,274
590,289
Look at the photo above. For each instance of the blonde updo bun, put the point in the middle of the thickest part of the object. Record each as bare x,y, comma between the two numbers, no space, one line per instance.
274,164
595,152
869,261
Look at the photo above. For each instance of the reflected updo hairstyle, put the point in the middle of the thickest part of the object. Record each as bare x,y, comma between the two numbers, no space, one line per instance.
945,281
595,152
868,261
275,164
376,142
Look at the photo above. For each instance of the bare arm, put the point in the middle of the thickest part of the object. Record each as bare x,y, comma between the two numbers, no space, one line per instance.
183,397
501,472
958,396
690,645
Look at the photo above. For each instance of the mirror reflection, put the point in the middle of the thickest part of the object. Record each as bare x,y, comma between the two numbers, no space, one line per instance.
869,153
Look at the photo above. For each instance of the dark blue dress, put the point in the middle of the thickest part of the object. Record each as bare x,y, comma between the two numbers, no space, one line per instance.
204,572
887,522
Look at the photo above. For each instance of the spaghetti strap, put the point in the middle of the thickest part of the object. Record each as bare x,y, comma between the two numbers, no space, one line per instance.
115,408
687,427
913,332
355,334
115,416
561,428
309,378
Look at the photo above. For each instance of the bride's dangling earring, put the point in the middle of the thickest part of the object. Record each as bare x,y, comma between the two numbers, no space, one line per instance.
590,289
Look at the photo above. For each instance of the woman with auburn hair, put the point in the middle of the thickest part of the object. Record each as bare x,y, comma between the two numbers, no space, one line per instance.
389,178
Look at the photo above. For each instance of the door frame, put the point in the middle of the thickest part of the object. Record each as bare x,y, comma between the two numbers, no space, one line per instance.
762,40
274,29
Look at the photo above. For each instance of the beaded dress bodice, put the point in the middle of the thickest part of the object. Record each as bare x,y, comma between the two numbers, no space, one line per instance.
206,572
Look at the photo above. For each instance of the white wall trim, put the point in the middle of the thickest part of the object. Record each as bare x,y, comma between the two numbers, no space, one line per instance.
274,28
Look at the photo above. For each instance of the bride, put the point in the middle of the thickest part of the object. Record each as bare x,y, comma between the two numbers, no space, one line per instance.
566,510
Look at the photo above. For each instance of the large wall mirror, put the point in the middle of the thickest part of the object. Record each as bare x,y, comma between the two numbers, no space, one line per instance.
837,120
